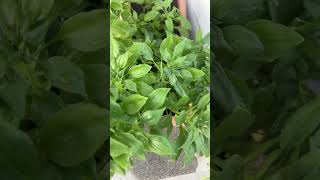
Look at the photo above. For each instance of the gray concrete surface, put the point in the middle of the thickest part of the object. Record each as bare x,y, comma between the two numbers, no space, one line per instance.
158,168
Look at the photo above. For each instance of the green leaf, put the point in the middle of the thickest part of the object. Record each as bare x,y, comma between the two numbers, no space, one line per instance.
45,105
117,148
130,85
181,118
243,41
66,75
133,103
165,45
74,134
233,168
234,125
122,60
180,47
96,83
157,98
302,167
284,11
225,95
312,7
13,93
184,23
204,101
151,15
146,51
115,109
143,88
238,12
135,145
152,117
120,28
138,71
123,161
275,37
160,145
300,125
19,158
86,31
68,5
169,25
196,73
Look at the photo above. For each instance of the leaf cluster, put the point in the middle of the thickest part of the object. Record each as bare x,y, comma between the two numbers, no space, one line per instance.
159,83
266,115
53,81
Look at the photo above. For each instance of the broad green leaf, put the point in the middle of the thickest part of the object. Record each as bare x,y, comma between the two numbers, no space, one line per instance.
196,73
138,71
66,75
115,109
119,28
68,5
204,101
300,125
185,23
225,95
238,12
45,105
74,134
275,37
157,98
143,88
35,10
165,45
130,85
151,15
146,52
312,175
19,158
233,168
160,145
133,103
122,60
304,165
179,48
135,145
96,83
8,116
117,148
13,93
189,154
3,67
312,7
152,117
9,18
243,41
169,25
123,161
284,11
234,125
181,118
86,31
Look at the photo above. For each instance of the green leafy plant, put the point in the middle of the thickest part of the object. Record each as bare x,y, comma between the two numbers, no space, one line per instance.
266,115
53,100
159,84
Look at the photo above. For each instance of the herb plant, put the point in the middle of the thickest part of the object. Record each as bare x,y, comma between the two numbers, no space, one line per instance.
159,84
266,116
53,99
